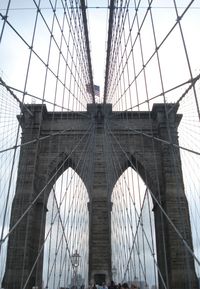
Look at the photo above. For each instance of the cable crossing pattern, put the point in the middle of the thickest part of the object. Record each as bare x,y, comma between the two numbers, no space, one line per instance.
72,162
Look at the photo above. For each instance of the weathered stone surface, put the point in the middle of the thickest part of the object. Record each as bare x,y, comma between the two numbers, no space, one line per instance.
113,141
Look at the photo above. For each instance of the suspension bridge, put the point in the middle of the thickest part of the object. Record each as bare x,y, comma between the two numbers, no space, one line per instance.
99,143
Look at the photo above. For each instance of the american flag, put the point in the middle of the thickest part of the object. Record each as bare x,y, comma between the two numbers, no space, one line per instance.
96,89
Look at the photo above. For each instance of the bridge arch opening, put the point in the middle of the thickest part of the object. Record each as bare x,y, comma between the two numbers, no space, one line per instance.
133,231
66,230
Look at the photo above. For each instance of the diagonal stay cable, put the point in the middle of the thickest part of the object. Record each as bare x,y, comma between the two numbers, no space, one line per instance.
139,215
38,256
139,223
73,32
60,218
21,104
119,75
5,17
155,51
37,55
192,81
45,100
179,18
135,131
37,139
43,189
160,206
82,160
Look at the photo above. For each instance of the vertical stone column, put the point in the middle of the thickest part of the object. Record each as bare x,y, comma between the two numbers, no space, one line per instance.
174,260
100,205
25,240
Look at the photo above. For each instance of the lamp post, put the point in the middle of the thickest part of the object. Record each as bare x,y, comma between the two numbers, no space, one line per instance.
75,263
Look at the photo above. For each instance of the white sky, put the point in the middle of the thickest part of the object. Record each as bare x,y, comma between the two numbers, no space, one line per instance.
13,54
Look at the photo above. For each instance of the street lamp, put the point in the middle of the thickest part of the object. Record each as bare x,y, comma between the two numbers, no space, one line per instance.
75,263
75,259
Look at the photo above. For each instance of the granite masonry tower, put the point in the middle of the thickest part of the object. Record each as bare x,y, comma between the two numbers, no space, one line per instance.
135,138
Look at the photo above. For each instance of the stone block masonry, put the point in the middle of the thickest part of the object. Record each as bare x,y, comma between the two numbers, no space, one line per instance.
125,138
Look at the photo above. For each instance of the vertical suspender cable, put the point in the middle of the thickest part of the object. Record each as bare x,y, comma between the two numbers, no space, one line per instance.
109,41
83,8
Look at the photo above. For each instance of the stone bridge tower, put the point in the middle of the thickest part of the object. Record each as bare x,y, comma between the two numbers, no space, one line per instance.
135,139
